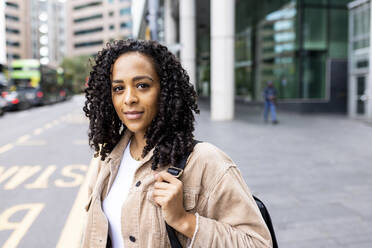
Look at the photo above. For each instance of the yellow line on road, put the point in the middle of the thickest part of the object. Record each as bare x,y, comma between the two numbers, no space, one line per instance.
38,131
6,148
72,233
23,138
48,125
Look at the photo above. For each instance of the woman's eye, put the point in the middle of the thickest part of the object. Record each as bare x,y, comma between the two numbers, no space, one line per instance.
142,85
117,88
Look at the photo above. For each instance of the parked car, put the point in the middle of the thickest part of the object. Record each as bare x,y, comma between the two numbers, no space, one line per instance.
19,99
2,105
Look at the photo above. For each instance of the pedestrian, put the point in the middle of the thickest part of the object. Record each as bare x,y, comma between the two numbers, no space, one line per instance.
141,108
270,96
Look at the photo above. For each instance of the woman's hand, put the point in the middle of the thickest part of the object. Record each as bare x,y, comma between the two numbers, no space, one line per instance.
168,193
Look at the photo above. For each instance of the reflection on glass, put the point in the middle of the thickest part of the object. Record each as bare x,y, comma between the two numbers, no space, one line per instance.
276,47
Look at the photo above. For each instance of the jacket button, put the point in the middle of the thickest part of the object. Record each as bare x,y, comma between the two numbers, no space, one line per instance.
133,239
138,183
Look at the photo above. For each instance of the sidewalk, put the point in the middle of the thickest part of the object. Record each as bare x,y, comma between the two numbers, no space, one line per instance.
314,172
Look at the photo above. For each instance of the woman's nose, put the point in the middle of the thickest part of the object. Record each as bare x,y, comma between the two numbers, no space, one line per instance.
130,97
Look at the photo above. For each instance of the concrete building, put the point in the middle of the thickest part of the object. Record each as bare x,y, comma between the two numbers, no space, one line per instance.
47,24
17,31
35,29
92,23
2,35
232,48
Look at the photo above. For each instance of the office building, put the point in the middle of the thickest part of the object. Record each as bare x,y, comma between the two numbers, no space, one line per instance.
47,24
17,31
92,23
231,49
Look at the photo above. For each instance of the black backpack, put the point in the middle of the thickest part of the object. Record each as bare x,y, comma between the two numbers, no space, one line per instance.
177,172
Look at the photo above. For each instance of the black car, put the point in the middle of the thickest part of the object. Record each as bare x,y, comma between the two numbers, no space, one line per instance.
3,102
2,105
19,99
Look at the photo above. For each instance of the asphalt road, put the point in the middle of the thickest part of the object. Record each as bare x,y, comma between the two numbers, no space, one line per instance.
44,157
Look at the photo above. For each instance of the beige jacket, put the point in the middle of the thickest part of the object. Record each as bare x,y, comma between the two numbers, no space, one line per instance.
213,188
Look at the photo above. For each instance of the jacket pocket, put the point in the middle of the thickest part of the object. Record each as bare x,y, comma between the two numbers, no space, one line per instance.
190,198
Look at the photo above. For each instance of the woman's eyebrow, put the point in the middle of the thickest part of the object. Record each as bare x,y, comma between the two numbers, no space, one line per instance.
136,78
117,81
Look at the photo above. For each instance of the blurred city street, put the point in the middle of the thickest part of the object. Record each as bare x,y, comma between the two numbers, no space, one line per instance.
312,171
44,156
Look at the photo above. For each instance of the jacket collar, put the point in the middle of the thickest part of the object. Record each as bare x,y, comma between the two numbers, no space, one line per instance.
117,153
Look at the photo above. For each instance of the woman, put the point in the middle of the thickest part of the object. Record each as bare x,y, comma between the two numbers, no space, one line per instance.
141,108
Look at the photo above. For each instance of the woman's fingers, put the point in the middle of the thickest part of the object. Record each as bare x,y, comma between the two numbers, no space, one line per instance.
162,185
165,176
161,192
160,200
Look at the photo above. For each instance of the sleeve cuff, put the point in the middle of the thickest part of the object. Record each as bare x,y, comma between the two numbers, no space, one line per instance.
191,242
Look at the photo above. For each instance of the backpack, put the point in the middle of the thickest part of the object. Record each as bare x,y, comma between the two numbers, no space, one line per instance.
177,172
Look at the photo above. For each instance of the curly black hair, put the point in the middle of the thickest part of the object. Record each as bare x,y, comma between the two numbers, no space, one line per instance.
170,132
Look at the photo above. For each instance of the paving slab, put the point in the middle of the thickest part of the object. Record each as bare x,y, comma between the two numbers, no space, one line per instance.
313,171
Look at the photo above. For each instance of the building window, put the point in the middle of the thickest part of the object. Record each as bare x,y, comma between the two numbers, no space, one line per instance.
12,30
125,11
124,25
12,43
87,5
88,44
12,18
13,56
122,1
13,5
88,18
112,27
88,31
111,1
111,13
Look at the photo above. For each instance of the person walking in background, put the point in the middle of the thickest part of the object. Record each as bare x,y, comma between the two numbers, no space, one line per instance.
270,95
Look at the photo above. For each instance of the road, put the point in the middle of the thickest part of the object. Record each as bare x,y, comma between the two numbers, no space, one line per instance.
44,157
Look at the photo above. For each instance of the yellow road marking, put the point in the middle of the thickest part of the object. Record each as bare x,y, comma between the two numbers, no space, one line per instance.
20,228
42,181
48,125
67,171
8,173
23,138
38,131
22,175
72,232
6,148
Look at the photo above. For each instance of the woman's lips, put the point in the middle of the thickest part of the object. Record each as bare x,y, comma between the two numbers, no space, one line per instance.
133,115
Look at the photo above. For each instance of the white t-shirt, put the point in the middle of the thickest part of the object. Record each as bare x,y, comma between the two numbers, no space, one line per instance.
113,203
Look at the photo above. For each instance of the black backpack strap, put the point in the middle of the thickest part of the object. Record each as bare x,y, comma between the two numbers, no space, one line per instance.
266,216
177,172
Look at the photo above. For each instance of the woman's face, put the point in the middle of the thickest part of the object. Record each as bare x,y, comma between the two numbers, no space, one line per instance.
135,90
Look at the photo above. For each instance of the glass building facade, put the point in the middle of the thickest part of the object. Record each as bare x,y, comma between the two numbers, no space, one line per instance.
359,56
288,42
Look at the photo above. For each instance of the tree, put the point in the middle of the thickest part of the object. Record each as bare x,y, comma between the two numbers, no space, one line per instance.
76,71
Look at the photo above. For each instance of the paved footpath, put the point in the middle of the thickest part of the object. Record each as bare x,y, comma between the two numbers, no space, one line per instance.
314,172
